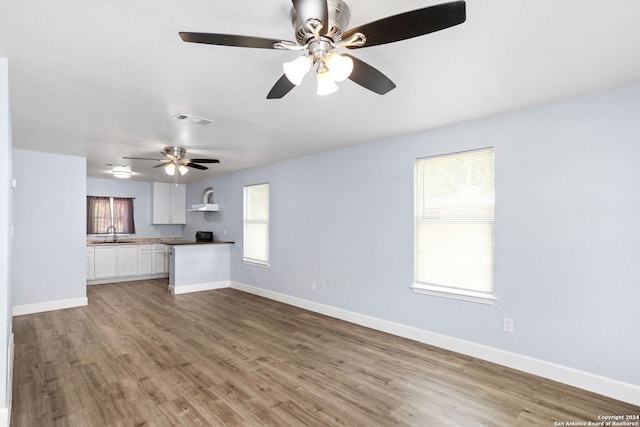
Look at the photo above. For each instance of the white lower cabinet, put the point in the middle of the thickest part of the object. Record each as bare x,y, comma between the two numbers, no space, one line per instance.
111,262
90,263
145,259
160,259
104,258
127,262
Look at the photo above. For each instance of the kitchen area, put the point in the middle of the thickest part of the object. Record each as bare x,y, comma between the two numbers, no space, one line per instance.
192,262
55,260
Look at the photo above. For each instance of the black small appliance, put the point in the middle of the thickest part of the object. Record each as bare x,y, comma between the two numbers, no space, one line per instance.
204,236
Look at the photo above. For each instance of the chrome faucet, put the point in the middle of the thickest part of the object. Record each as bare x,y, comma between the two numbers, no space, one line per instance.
111,227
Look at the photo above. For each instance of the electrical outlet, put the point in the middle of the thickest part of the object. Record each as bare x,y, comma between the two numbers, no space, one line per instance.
314,286
323,285
507,325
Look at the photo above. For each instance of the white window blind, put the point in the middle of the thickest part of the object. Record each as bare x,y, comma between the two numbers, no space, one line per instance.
256,224
454,224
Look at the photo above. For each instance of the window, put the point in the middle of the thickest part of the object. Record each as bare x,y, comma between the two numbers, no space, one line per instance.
104,212
454,225
256,224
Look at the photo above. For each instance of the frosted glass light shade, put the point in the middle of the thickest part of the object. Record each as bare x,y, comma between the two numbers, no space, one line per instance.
122,172
340,66
170,169
326,83
183,169
297,69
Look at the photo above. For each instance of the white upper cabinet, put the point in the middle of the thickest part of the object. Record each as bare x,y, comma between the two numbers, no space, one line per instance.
169,203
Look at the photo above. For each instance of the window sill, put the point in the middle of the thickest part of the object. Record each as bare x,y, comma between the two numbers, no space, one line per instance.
459,294
256,263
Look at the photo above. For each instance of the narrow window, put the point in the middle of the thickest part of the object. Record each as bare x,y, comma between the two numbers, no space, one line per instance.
454,225
256,224
106,212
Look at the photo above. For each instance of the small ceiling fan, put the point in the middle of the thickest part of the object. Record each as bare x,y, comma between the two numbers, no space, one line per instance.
176,161
320,29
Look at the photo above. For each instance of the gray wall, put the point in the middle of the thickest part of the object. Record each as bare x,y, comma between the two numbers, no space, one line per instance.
5,239
49,227
141,191
567,240
204,221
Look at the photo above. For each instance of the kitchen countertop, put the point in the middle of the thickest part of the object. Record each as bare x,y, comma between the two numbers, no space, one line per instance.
106,243
159,241
193,242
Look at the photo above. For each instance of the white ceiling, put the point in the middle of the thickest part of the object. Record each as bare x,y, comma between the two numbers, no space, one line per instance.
102,79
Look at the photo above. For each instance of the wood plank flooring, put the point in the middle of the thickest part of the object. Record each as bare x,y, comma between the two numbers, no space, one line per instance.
139,356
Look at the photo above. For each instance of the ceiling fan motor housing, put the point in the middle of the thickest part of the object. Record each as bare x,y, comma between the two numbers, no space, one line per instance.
339,15
176,152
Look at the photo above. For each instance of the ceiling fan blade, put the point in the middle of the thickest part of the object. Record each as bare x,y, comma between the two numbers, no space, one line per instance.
142,158
202,160
411,24
313,9
369,77
282,87
196,166
159,165
230,40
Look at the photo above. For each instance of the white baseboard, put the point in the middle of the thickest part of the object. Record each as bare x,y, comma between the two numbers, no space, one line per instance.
584,380
199,287
4,417
126,279
5,413
19,310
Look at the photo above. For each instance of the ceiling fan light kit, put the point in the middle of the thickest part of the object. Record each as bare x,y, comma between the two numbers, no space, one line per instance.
325,81
319,27
170,169
339,66
297,69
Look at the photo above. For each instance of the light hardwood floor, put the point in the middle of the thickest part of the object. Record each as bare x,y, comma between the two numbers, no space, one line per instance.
140,356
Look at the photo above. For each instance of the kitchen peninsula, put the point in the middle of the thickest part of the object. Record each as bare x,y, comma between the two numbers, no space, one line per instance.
191,266
199,266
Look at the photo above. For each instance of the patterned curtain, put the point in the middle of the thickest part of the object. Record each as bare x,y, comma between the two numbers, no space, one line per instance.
123,215
102,212
98,214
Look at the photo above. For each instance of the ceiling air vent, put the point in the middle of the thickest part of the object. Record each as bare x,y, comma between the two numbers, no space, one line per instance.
193,119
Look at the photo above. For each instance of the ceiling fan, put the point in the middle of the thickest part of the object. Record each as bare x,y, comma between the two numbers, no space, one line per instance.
320,29
176,161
